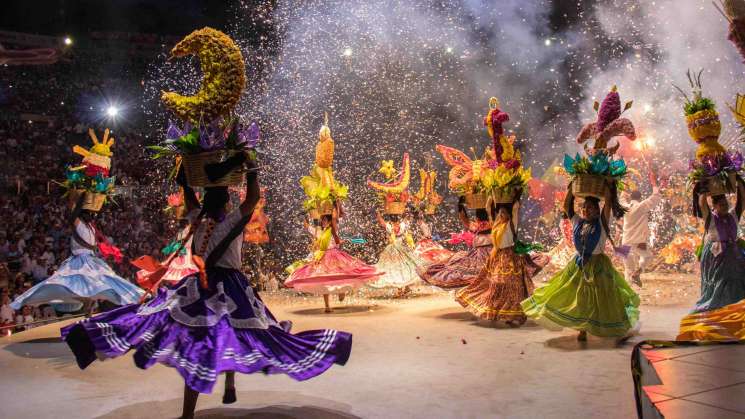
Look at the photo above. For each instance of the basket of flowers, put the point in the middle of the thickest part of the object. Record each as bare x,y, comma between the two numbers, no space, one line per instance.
89,183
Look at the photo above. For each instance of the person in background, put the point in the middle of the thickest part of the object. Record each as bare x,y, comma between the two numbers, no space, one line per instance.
24,319
7,315
636,231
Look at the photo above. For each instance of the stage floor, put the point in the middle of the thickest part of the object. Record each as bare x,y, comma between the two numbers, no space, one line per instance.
420,357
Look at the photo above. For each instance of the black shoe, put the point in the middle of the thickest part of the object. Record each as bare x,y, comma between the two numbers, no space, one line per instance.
229,396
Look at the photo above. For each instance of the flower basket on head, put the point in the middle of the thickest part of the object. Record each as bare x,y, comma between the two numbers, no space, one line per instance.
323,192
90,181
503,196
93,201
720,184
196,176
395,208
393,193
326,208
584,185
475,200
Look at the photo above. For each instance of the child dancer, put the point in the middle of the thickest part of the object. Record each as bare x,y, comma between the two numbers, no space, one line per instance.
329,270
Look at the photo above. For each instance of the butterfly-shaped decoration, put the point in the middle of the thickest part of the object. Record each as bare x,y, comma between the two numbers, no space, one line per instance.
463,170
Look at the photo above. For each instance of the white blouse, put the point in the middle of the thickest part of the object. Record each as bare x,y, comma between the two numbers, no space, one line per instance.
87,234
231,259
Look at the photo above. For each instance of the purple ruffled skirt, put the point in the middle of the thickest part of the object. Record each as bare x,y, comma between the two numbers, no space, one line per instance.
202,333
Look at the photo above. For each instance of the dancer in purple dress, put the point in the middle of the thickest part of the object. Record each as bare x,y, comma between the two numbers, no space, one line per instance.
212,321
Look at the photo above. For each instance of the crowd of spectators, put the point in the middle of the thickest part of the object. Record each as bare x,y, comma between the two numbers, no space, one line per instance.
43,116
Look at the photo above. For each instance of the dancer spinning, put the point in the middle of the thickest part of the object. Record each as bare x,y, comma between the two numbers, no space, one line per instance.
84,277
397,260
212,322
505,281
589,294
717,314
329,270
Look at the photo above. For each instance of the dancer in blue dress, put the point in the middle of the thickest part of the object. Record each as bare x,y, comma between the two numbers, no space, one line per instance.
83,277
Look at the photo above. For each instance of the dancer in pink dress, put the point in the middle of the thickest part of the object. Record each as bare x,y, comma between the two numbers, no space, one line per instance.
328,269
181,266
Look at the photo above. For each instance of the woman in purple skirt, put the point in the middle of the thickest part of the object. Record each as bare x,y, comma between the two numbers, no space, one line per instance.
210,322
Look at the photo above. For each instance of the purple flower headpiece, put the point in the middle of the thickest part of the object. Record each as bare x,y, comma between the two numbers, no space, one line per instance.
211,137
174,132
248,137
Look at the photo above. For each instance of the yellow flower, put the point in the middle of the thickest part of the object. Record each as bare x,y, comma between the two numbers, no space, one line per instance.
387,169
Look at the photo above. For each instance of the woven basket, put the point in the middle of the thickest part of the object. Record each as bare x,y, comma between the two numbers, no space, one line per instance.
503,196
589,185
716,185
395,208
93,201
475,201
326,208
196,176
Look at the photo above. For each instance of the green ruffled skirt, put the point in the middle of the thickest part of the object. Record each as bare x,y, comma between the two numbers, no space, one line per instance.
595,299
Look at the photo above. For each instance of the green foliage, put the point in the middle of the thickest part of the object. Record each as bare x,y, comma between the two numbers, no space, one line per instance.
699,105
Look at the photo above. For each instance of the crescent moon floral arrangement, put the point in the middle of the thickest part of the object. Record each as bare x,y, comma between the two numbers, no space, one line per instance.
207,120
702,119
92,175
320,187
395,188
599,158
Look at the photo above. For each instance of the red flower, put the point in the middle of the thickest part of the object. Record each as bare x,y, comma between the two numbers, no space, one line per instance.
92,170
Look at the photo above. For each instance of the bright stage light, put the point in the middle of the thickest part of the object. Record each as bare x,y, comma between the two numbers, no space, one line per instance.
68,41
347,52
449,50
547,42
112,111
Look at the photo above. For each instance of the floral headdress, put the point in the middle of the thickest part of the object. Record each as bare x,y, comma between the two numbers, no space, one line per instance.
702,119
395,188
427,196
207,120
93,174
320,187
608,125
